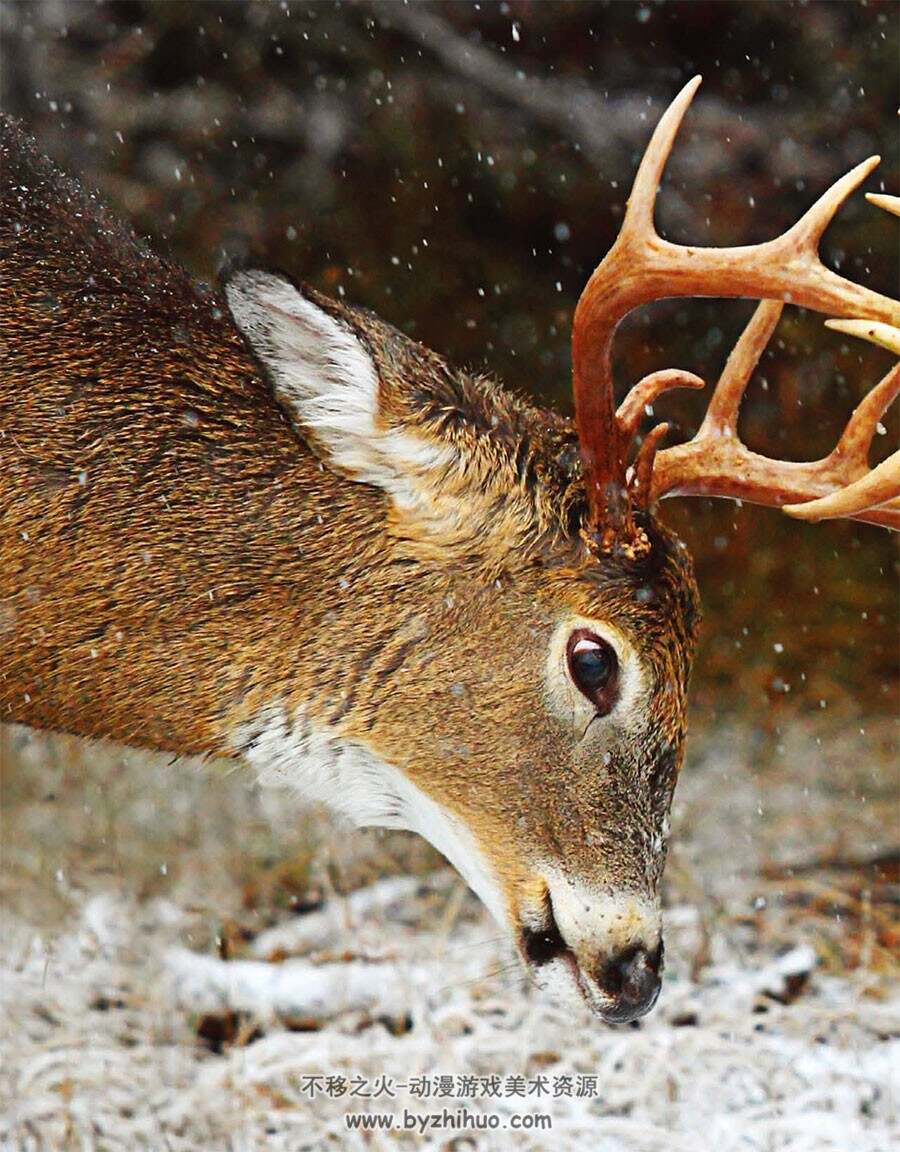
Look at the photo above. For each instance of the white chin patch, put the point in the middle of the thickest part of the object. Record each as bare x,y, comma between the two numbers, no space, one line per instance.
290,751
558,983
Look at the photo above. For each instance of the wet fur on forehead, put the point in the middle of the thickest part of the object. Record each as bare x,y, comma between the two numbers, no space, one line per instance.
497,486
659,583
653,598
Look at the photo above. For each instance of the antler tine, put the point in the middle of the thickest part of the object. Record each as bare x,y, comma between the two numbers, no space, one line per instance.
857,437
722,414
641,206
809,229
642,395
878,487
597,315
885,335
643,465
717,463
888,203
881,486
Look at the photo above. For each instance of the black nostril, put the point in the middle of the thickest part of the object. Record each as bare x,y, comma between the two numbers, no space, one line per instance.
541,945
632,977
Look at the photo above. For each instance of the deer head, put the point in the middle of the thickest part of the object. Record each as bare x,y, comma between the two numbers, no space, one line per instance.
528,717
430,604
521,702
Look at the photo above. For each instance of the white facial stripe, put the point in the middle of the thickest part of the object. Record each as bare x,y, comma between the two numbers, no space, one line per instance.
563,698
357,784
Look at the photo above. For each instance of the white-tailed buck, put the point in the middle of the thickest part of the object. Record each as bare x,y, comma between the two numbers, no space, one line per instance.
261,523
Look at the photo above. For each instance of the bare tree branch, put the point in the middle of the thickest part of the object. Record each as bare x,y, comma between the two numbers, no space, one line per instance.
599,125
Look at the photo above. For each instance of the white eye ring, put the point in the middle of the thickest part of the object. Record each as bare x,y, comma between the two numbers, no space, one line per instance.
563,697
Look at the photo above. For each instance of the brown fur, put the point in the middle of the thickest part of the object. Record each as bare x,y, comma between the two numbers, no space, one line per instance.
174,554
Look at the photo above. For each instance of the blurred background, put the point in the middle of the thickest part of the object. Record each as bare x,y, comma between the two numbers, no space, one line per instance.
461,168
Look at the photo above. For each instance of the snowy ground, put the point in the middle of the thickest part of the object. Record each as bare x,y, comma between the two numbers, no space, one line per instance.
168,984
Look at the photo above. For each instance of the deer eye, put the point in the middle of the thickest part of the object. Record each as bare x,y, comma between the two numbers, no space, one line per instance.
594,669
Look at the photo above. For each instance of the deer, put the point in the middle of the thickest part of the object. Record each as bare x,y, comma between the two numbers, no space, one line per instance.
258,523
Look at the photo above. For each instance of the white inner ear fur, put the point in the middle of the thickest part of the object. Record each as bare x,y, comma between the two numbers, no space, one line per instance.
328,383
319,370
563,698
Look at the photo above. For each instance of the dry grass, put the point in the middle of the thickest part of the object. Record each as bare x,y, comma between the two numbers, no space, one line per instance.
113,859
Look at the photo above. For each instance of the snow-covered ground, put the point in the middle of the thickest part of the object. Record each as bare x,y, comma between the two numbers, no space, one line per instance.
153,999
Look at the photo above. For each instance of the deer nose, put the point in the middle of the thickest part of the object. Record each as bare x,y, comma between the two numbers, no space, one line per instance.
632,980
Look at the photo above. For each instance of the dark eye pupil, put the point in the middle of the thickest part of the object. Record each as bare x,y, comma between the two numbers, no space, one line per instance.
594,669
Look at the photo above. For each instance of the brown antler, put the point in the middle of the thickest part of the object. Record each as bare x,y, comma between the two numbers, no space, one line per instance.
641,267
716,463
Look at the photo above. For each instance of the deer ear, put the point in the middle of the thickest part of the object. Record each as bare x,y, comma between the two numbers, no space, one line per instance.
318,367
382,410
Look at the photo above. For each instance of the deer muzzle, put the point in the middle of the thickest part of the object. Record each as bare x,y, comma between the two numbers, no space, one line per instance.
604,949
